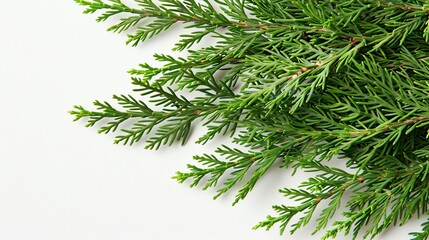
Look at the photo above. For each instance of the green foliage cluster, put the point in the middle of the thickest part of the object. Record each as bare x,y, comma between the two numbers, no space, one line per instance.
295,82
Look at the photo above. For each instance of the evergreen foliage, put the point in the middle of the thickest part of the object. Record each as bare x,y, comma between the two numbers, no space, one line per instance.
296,82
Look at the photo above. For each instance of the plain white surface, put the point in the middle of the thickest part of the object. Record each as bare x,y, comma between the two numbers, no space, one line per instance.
59,180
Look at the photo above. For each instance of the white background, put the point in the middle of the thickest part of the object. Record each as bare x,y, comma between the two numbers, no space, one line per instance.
59,180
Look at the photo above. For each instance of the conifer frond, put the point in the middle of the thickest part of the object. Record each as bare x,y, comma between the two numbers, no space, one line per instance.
294,84
424,234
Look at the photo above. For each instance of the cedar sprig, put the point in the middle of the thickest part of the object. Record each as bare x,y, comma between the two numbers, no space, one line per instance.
294,84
